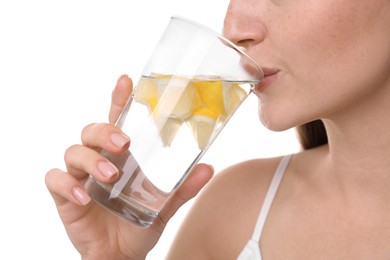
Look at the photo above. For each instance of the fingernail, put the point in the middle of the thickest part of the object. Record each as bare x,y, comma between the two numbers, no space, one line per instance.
119,140
81,195
107,169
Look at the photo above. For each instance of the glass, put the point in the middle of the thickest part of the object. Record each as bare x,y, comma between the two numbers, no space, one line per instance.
191,86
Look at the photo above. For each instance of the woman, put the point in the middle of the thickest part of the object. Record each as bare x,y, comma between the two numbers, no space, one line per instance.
325,62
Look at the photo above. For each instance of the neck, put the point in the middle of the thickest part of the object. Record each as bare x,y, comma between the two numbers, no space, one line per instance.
359,143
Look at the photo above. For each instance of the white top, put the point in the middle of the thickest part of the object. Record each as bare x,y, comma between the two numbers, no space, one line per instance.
251,251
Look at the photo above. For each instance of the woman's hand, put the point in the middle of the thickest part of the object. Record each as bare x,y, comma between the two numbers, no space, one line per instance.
95,232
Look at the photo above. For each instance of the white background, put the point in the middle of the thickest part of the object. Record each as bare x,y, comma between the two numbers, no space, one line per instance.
59,61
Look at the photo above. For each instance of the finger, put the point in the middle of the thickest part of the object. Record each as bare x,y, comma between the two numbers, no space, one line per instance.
82,161
105,136
64,187
196,180
120,94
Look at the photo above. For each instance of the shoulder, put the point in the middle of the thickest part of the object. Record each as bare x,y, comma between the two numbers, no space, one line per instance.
244,173
223,217
239,184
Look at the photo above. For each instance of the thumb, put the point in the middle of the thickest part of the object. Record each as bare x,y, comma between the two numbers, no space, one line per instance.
120,94
196,180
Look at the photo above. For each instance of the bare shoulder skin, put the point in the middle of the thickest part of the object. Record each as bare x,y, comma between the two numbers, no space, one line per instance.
223,217
316,215
312,216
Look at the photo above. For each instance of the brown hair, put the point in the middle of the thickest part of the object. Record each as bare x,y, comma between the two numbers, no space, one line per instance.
312,134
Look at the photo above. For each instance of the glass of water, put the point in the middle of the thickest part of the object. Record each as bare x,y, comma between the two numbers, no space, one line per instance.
191,86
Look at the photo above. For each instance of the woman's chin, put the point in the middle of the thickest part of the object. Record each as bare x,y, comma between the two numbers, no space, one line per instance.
276,124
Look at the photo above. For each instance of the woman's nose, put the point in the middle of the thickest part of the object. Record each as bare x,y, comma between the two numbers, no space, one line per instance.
242,26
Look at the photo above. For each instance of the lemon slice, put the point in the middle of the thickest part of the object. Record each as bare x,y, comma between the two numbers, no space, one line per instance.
167,129
146,89
211,95
177,97
233,96
203,124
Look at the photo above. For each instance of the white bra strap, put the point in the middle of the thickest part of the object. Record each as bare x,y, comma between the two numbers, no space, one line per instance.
270,197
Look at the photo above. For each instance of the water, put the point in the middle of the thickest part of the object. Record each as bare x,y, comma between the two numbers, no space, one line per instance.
133,196
171,122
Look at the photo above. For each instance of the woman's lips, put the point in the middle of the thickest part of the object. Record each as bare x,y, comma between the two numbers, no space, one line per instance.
270,76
